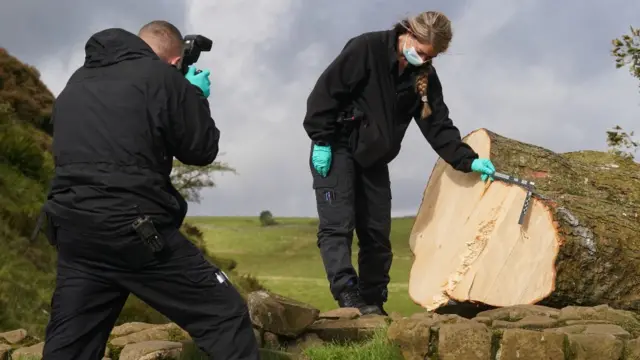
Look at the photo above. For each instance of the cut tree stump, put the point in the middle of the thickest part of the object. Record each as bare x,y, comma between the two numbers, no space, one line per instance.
578,245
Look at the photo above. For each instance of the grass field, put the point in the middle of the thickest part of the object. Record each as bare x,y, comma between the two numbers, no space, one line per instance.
286,259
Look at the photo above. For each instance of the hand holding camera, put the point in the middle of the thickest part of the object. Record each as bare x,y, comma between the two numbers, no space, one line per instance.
193,46
199,79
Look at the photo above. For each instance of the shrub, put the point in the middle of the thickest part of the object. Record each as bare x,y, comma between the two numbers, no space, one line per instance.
266,218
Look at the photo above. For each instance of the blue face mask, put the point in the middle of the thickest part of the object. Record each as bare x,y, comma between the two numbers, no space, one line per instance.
411,54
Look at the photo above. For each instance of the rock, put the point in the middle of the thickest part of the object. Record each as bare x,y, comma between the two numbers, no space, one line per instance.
595,347
340,313
631,350
519,312
304,342
438,319
520,344
176,333
394,315
608,329
348,330
140,336
586,322
308,340
151,350
625,319
528,322
280,315
412,336
4,351
484,320
276,355
271,341
517,333
33,352
129,328
15,336
469,341
258,334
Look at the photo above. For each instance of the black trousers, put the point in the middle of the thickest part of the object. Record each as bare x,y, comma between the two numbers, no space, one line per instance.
351,198
95,277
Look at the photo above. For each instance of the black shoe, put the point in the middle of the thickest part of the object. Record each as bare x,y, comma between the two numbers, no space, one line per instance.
375,303
373,309
352,299
382,311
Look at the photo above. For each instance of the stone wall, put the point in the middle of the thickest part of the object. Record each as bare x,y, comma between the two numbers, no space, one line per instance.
525,332
285,327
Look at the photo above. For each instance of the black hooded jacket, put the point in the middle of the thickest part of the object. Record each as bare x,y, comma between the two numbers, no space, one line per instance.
117,125
365,75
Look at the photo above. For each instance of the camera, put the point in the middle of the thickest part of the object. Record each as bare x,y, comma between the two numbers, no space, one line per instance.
193,46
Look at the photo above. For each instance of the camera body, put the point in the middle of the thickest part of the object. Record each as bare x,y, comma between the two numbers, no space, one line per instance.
192,47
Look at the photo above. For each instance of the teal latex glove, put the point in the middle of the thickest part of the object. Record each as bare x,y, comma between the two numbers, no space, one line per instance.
484,167
321,159
200,80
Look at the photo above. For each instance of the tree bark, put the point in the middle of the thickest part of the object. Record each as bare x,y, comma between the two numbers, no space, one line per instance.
579,245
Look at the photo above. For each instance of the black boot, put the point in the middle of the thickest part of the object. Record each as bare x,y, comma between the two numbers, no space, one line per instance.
375,302
380,309
351,299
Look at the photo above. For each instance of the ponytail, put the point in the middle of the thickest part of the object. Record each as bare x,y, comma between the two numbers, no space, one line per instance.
422,82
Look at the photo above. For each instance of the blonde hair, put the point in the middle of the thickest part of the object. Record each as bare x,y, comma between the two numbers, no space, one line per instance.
433,28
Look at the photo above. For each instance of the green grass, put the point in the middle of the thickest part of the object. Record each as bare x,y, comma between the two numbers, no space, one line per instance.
286,259
378,348
27,270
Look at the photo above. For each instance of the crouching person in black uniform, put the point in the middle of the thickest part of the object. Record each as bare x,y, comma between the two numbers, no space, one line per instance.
357,115
118,123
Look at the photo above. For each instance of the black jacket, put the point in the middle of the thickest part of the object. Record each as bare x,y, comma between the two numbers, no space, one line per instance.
117,125
365,75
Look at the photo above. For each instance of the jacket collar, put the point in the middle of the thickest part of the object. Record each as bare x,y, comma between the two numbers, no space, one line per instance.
392,44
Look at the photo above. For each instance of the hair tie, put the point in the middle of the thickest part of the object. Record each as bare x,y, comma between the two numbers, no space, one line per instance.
424,98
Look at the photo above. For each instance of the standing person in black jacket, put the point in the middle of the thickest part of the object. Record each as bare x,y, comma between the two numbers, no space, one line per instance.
118,123
357,115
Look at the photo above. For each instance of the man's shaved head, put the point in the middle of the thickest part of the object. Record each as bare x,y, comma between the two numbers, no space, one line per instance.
164,38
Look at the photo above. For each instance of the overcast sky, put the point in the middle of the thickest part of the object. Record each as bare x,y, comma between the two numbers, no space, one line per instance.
537,71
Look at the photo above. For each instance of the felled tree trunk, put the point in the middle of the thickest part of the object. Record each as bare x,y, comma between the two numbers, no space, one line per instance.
578,245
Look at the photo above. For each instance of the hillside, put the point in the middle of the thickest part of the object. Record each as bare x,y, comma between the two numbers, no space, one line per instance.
285,257
27,270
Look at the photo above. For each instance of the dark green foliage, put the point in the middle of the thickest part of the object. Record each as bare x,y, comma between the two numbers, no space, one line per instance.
27,270
21,88
626,50
189,179
266,218
621,143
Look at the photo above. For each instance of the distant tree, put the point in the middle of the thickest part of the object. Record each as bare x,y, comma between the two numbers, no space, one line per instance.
189,180
626,50
622,143
266,218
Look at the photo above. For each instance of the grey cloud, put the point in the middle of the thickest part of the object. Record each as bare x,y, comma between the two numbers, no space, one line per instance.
332,26
573,38
537,71
36,30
